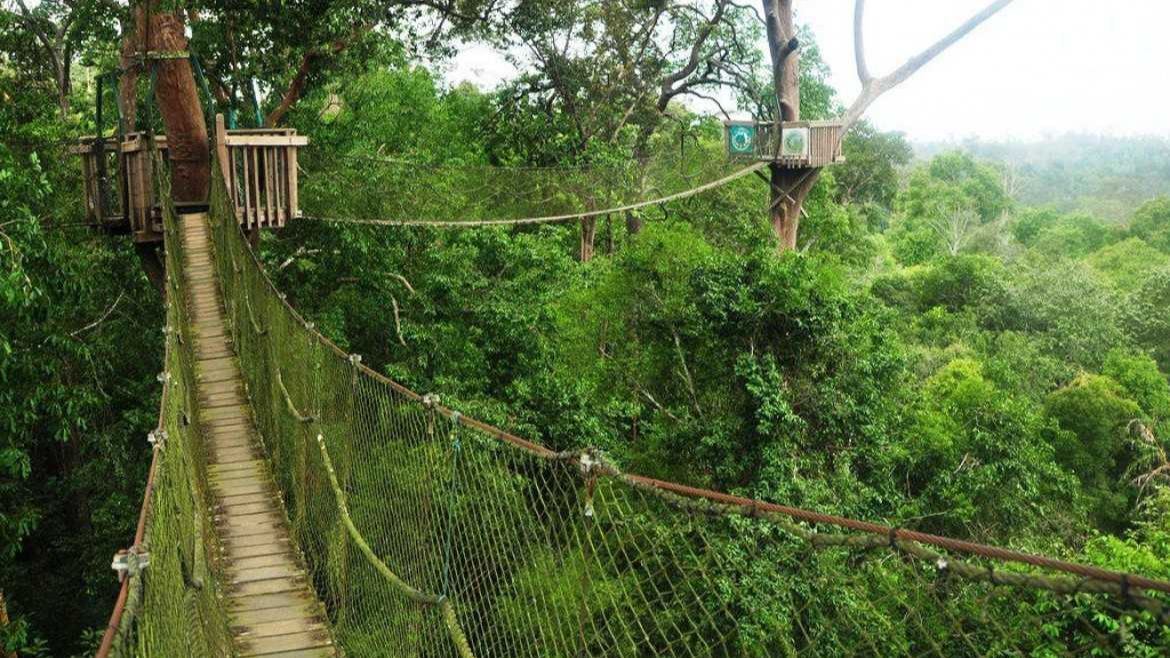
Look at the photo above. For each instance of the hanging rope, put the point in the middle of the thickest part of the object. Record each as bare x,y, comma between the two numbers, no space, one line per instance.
550,219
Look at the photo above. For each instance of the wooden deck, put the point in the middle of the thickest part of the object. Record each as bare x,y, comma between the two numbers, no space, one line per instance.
272,607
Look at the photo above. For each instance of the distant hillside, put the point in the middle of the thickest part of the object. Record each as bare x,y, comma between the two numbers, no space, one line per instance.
1105,176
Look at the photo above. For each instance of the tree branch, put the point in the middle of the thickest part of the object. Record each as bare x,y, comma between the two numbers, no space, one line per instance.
859,42
872,88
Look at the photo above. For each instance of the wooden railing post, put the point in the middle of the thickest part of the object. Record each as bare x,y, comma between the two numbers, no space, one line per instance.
221,154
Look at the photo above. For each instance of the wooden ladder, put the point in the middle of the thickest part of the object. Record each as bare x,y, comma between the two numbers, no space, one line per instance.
271,604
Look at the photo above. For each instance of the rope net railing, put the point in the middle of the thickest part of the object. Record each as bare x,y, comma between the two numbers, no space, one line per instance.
170,603
427,533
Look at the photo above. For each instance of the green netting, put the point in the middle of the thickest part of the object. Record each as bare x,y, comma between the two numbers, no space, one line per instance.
173,607
360,187
429,534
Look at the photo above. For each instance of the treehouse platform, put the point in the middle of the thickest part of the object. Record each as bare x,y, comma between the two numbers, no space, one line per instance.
796,144
121,194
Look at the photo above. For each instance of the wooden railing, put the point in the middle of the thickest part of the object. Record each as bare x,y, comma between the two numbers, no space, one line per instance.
259,167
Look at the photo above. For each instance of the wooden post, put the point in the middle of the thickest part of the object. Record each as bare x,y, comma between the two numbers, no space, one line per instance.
221,153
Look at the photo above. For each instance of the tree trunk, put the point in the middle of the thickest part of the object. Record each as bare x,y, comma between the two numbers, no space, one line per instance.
176,95
790,187
154,265
133,27
182,113
588,233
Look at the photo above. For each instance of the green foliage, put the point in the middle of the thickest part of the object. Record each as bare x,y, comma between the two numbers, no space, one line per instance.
1151,222
872,161
1129,263
1093,415
78,354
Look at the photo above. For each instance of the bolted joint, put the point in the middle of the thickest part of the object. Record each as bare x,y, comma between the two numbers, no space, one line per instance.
157,438
129,563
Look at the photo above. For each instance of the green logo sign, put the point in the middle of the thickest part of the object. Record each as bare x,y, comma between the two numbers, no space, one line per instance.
741,139
794,142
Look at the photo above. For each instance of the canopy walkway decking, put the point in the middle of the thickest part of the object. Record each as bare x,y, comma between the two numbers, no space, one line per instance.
271,607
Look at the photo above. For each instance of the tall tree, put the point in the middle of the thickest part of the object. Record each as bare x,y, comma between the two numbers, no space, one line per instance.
790,187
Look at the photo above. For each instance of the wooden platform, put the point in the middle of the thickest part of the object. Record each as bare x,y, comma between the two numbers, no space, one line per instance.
272,607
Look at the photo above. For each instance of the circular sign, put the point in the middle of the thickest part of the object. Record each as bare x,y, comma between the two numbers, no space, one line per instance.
794,141
741,138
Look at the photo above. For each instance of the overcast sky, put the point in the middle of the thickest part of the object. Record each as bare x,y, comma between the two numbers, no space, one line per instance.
1038,67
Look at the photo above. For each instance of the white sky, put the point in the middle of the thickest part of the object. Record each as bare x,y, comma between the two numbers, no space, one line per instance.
1038,67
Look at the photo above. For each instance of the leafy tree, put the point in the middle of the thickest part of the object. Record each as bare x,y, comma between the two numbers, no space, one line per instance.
1151,222
1093,416
1139,377
872,162
1127,264
975,456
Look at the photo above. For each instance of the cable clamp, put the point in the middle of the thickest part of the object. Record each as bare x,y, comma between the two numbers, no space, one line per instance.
355,359
157,438
163,377
430,400
894,538
129,562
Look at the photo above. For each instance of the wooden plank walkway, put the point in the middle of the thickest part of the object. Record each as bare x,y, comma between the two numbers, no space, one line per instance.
271,605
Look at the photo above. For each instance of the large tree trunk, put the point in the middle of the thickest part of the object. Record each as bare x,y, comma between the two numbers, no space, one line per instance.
176,95
789,187
182,114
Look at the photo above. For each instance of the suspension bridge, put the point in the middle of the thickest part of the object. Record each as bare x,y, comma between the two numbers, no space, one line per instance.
302,505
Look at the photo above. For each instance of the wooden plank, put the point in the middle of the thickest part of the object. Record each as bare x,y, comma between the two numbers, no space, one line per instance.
318,652
271,586
254,220
241,551
293,209
282,643
269,560
292,599
242,619
299,624
269,192
255,574
247,186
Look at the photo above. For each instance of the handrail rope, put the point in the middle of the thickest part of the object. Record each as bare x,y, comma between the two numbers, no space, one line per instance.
128,600
946,543
548,219
292,407
894,539
450,166
458,637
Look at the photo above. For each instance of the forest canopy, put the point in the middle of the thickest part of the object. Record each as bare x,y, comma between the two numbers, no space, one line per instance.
969,339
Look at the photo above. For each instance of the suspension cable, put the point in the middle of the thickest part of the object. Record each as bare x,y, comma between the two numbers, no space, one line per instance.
548,219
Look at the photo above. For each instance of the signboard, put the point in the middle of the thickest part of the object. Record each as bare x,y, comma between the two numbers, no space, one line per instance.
741,139
795,143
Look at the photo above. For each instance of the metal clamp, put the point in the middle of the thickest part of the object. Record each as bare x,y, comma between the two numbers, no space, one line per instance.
129,562
157,438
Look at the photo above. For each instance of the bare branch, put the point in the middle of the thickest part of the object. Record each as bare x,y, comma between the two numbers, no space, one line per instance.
859,42
872,87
